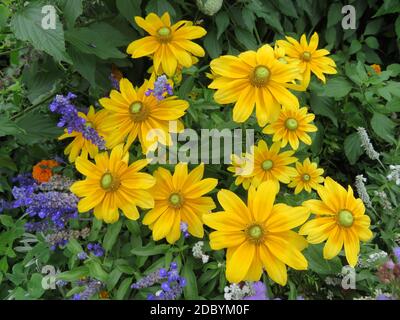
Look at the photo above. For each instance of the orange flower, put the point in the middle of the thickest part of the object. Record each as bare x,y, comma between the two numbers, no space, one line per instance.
377,68
42,172
104,295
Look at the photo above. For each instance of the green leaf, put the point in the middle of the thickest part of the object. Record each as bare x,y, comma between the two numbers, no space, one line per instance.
123,288
373,27
190,290
288,8
8,127
72,9
35,288
38,128
6,221
27,26
248,18
397,27
129,9
150,250
4,14
111,235
113,279
355,46
352,147
334,15
74,246
246,38
393,105
160,7
212,45
337,87
74,274
383,127
222,21
323,106
84,63
372,42
318,264
96,271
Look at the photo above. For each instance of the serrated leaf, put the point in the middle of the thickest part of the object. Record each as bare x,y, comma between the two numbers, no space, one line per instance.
27,26
383,127
323,106
72,9
338,87
352,147
8,127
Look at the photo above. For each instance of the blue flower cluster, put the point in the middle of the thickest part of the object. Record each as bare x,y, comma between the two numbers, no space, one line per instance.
184,229
91,288
172,283
72,121
161,86
96,249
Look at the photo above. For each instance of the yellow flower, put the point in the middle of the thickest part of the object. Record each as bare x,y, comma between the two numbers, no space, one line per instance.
308,176
242,168
254,79
376,68
309,58
179,198
258,235
132,114
168,45
271,165
112,184
340,219
293,124
79,145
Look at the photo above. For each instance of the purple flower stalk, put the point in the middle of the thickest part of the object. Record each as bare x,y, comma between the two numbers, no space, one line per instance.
92,287
260,292
161,87
184,229
96,249
396,252
72,121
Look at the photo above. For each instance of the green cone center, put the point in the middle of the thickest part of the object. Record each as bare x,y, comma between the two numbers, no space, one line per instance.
106,181
164,32
291,124
255,232
175,199
346,218
306,56
306,177
135,107
267,164
261,73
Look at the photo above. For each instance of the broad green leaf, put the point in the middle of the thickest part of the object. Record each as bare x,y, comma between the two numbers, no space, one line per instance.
150,250
8,127
212,45
190,290
248,18
129,9
4,15
352,147
72,9
74,274
113,279
323,106
222,21
74,246
337,87
335,15
35,287
160,7
246,38
96,271
318,264
84,63
383,127
111,235
27,26
123,288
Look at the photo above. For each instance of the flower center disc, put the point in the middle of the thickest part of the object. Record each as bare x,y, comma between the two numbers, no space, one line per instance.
255,233
135,107
267,164
138,111
306,56
291,124
306,177
175,199
164,33
106,181
261,75
346,218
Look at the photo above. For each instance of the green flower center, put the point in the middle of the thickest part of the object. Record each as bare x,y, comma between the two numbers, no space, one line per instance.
306,177
164,33
306,56
175,199
89,124
135,107
255,233
346,218
291,124
267,164
261,75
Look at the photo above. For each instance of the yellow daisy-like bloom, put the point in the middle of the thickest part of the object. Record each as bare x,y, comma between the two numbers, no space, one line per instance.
258,235
309,58
308,177
132,114
340,219
254,78
242,168
169,45
293,124
271,165
112,184
179,198
79,145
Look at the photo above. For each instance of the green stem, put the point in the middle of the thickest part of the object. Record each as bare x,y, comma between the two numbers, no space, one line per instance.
32,107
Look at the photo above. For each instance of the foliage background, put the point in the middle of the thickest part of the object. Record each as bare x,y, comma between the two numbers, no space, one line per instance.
91,36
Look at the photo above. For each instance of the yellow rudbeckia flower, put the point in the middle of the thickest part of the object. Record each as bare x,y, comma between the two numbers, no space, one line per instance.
242,168
112,184
308,176
258,235
254,79
293,124
133,114
80,146
179,198
309,58
340,219
169,45
270,164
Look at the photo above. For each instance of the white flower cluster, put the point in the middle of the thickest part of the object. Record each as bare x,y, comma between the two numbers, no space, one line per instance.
372,258
383,198
362,190
197,251
235,292
366,144
394,174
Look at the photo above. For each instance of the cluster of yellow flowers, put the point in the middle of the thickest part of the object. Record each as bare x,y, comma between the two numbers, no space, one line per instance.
257,235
